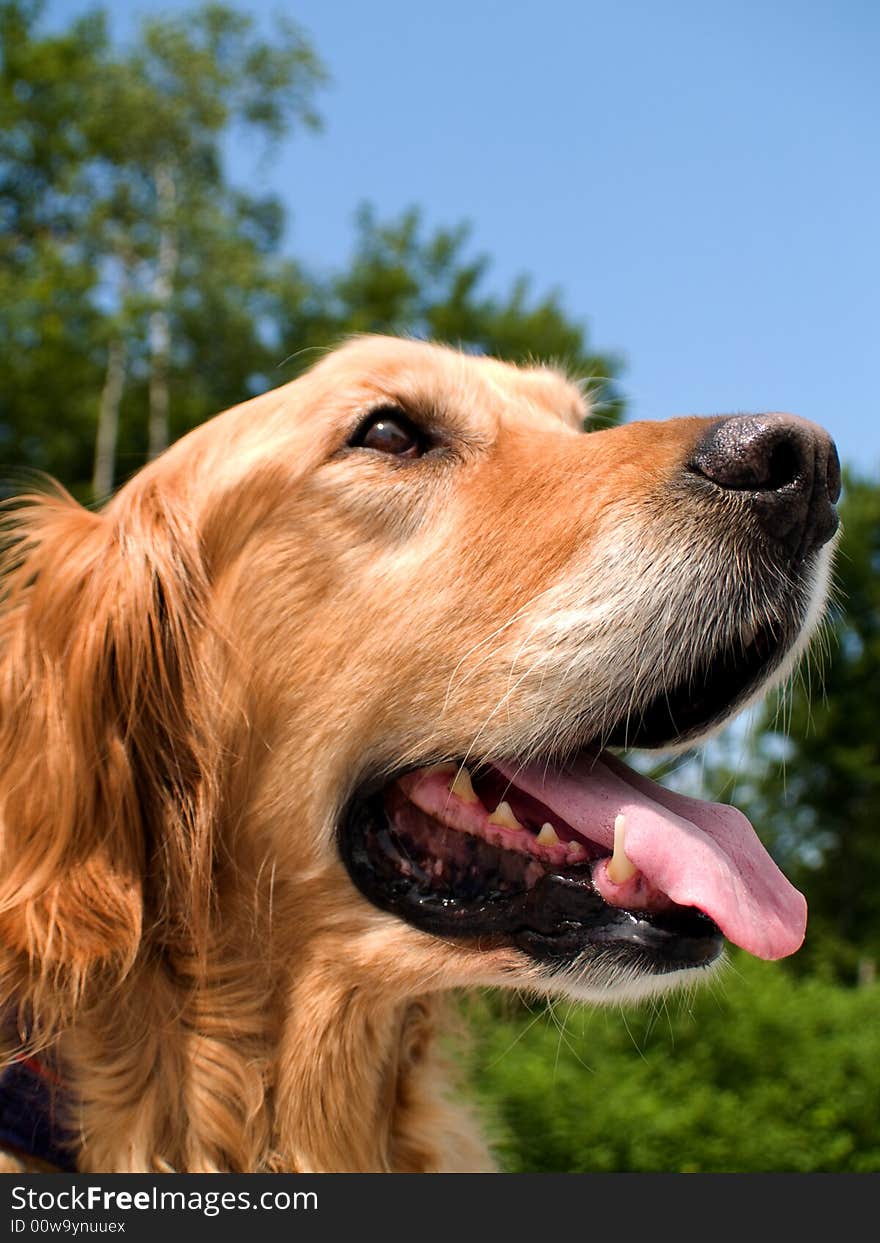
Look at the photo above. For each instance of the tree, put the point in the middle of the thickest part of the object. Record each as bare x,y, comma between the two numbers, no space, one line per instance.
158,126
111,158
50,326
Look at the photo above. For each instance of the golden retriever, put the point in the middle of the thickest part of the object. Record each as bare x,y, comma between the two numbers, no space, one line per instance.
307,727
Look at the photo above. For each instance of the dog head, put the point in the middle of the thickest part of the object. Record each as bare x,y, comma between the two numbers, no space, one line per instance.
377,630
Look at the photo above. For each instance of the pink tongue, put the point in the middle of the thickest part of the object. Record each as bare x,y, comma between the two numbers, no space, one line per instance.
700,854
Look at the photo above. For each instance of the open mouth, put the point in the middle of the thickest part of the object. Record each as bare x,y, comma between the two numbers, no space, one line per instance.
589,858
585,857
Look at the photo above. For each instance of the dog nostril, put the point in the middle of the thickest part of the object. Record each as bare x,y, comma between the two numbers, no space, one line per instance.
784,464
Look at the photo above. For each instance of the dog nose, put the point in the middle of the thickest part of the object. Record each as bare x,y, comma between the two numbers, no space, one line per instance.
786,467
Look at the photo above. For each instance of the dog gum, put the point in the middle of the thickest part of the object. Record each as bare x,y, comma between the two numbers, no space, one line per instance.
635,894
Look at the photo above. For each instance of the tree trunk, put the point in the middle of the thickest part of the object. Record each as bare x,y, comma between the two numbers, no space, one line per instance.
160,318
108,420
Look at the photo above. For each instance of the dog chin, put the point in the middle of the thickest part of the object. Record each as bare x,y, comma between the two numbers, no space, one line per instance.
591,984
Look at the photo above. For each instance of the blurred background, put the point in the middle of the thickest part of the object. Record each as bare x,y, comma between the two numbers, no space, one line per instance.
679,201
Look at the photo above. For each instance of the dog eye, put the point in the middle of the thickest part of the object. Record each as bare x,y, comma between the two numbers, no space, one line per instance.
389,431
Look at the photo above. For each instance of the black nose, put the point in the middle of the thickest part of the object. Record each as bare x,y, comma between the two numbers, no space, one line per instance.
786,467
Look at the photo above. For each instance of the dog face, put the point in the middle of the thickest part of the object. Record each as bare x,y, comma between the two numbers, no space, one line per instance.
416,605
453,600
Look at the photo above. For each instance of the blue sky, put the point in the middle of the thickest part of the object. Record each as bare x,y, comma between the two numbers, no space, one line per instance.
701,181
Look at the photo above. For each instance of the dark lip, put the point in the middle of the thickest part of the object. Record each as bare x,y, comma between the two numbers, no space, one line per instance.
560,918
709,696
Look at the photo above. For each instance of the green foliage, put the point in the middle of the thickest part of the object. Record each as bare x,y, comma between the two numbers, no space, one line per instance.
756,1072
117,224
44,84
49,325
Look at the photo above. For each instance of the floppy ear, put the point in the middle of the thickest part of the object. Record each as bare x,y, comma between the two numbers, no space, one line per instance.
104,803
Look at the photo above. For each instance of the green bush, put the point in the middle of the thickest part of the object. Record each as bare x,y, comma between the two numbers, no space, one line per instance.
758,1071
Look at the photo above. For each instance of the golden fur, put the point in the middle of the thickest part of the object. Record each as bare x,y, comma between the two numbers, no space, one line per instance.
192,682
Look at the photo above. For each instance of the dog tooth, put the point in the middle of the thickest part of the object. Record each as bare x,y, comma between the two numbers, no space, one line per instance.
576,850
620,869
462,786
547,836
503,815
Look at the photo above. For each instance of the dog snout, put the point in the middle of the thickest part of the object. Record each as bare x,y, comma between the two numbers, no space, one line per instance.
785,467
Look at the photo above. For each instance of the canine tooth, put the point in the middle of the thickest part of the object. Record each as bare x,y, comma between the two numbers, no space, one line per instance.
462,787
620,869
503,815
547,836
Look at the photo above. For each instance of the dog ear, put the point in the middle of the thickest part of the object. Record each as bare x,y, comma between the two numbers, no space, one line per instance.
105,807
